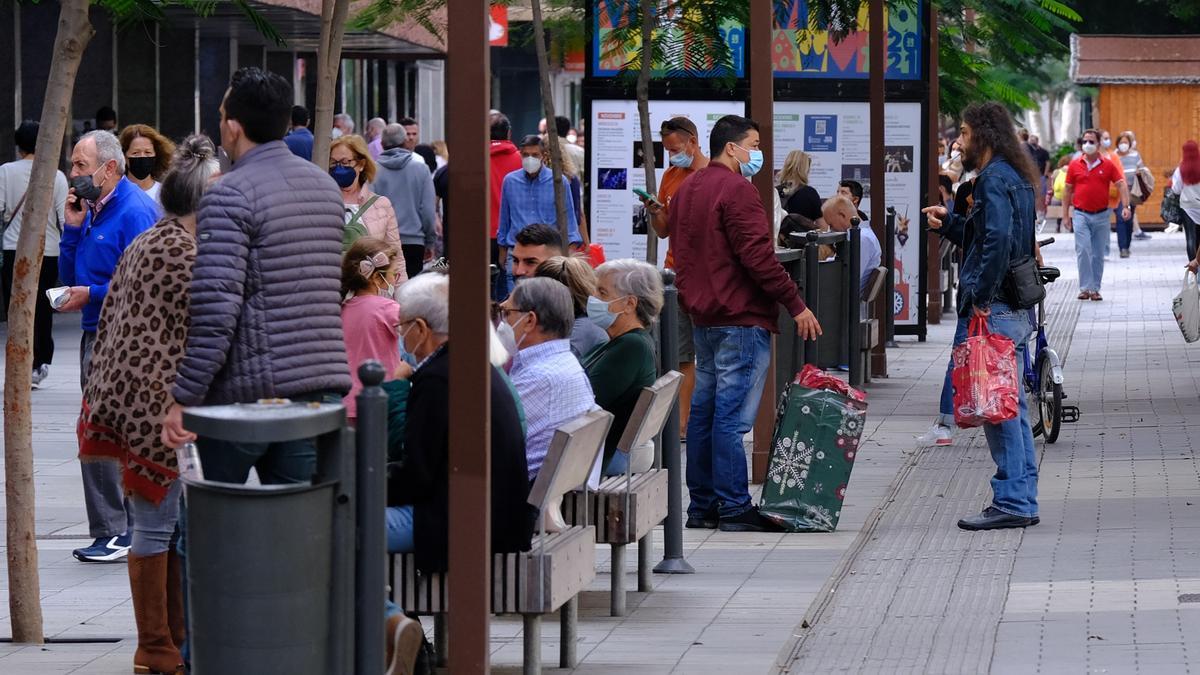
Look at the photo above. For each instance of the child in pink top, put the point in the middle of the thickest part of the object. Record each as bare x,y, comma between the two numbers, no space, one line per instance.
369,314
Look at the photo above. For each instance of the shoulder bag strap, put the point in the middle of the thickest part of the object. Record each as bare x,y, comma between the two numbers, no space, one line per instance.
17,210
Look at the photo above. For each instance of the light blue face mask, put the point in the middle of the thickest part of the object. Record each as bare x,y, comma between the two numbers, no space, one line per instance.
681,160
405,355
598,312
754,164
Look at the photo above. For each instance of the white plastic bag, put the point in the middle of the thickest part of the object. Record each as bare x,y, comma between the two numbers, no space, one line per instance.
1186,308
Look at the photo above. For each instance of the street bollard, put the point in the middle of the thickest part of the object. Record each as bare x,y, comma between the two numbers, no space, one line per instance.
812,291
854,303
370,584
673,561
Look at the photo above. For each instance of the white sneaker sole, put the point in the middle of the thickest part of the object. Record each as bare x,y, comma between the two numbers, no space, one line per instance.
117,555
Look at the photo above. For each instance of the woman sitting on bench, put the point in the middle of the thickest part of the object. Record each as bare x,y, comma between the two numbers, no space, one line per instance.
627,302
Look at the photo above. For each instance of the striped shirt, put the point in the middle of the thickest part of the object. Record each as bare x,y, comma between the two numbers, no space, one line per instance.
554,390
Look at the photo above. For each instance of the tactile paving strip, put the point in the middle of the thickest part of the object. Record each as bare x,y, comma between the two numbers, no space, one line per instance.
920,595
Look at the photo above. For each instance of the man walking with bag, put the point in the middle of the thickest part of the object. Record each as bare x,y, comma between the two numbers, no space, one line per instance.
996,237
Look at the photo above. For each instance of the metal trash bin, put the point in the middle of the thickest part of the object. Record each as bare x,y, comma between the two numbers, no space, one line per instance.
270,568
259,572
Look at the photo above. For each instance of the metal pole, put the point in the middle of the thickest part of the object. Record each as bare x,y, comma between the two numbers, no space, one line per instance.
812,291
878,29
762,110
933,244
370,580
673,561
889,261
854,303
468,98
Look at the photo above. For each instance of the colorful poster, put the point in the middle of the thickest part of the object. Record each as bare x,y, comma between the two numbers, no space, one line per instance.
848,156
797,50
616,166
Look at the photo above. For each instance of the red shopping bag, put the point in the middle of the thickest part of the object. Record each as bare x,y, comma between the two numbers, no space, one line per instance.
984,378
815,378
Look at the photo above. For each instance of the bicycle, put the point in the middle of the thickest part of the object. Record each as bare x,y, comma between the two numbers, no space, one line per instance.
1043,371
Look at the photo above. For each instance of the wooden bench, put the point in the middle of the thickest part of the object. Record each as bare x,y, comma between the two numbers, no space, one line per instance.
629,507
532,583
869,327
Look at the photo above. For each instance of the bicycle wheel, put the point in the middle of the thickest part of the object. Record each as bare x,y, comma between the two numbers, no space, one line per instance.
1049,404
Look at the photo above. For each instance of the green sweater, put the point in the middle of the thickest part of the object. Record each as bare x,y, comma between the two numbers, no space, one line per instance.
619,370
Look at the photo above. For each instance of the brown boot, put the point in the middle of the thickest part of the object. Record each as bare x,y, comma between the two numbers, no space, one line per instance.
156,653
175,616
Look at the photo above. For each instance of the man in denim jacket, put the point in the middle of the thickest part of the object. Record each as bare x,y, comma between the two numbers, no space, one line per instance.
998,229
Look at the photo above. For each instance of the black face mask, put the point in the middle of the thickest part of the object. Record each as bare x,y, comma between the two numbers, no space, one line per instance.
141,167
85,189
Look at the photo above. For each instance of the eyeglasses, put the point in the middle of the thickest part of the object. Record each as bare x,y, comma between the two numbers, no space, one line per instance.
345,163
507,310
671,126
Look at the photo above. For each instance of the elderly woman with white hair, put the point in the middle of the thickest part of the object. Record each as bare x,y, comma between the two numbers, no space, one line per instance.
629,297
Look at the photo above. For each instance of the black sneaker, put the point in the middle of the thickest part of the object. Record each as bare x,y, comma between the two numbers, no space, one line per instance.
749,520
708,521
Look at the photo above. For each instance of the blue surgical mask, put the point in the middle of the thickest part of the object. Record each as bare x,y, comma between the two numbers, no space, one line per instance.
598,312
344,176
681,160
754,164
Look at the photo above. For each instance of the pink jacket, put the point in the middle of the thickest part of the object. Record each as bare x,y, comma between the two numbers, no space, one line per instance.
380,219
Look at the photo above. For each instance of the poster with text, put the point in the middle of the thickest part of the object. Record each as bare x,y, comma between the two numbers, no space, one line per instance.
616,166
838,137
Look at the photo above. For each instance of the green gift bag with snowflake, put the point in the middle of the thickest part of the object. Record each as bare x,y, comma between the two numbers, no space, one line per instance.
816,438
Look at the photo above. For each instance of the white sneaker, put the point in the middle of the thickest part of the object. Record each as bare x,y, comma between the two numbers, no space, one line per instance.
40,373
937,435
1172,228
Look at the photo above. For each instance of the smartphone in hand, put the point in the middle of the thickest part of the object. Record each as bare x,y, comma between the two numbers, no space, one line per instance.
647,196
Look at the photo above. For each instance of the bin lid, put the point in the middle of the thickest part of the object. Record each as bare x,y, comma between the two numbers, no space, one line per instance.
253,490
264,422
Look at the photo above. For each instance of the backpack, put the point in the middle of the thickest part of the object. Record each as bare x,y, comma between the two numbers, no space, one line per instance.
354,227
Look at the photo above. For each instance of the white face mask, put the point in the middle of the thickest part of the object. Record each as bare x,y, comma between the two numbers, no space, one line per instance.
531,165
955,154
1123,147
571,138
1089,148
1106,142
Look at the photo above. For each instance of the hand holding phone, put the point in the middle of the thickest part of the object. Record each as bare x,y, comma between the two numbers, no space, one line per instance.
647,197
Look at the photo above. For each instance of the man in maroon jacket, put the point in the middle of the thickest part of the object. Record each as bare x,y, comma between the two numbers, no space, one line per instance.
730,283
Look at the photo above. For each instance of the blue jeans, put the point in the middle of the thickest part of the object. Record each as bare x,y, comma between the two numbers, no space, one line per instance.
398,521
1091,241
1124,230
731,367
1014,486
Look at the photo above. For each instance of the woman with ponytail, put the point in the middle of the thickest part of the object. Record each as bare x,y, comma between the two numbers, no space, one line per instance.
1186,183
140,340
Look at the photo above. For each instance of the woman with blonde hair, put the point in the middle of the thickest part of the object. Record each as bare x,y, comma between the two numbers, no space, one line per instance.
579,278
139,343
368,214
796,196
147,157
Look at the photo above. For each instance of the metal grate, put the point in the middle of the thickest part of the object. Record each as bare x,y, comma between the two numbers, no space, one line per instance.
1189,597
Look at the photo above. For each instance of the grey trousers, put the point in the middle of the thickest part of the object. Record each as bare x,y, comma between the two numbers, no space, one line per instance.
154,525
103,492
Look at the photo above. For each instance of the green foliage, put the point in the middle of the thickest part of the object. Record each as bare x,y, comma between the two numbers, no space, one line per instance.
1006,54
380,14
129,12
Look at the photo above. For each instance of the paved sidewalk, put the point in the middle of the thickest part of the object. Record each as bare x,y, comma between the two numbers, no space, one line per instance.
1102,584
748,592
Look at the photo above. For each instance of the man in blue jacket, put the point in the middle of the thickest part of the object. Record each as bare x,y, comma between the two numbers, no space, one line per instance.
104,213
998,230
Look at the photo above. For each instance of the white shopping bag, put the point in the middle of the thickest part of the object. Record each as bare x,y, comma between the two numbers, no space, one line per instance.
1186,307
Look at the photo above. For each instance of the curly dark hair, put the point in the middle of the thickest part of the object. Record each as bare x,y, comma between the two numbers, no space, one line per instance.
992,127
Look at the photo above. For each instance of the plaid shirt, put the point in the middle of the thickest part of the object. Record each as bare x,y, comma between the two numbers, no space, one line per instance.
554,390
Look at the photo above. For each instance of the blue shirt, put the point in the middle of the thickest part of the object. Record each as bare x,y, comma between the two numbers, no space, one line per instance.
870,253
525,202
300,142
554,390
88,255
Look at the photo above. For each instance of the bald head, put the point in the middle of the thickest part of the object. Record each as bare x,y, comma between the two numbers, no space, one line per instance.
838,211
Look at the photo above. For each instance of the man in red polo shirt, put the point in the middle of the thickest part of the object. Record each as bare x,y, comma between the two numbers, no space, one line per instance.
732,285
1086,197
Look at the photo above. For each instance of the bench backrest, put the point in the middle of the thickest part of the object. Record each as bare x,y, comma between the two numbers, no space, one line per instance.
874,284
569,461
650,413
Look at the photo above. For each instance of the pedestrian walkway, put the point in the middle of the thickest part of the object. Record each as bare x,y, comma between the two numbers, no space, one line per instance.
1105,582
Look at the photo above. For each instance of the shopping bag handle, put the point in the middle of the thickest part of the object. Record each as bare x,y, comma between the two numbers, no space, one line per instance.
979,326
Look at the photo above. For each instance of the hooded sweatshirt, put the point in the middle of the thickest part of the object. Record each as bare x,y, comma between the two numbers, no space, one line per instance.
505,160
409,186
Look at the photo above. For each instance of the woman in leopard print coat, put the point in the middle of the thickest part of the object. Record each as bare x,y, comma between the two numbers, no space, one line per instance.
140,340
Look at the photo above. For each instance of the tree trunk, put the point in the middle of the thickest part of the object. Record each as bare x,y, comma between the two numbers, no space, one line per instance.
329,61
24,604
643,102
560,193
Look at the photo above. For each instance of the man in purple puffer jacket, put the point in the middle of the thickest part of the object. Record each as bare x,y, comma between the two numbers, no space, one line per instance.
265,305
